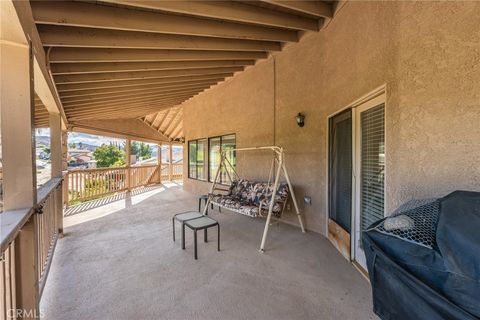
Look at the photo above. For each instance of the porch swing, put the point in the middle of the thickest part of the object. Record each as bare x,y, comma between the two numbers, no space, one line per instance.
254,199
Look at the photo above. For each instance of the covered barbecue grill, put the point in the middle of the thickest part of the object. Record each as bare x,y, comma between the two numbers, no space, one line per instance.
424,259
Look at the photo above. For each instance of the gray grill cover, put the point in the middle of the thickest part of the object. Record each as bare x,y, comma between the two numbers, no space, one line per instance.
413,281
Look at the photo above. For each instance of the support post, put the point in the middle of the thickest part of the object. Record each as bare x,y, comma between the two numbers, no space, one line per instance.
159,162
18,159
56,156
170,167
65,166
128,146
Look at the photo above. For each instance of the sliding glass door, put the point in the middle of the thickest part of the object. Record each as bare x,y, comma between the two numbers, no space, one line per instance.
369,169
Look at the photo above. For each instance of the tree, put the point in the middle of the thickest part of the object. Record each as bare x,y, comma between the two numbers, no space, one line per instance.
141,150
72,145
145,151
108,156
47,151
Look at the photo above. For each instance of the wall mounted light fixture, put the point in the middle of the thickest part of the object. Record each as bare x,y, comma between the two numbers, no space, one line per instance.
300,118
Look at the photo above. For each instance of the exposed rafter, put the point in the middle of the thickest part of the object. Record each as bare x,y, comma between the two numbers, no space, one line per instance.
82,68
131,83
136,75
106,17
136,89
142,58
229,11
314,8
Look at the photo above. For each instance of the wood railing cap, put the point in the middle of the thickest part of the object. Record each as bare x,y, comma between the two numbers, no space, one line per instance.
11,223
44,191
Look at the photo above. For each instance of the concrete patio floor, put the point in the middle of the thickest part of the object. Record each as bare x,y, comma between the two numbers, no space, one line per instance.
118,261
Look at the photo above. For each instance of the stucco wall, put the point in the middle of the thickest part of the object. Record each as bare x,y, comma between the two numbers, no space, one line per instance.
428,56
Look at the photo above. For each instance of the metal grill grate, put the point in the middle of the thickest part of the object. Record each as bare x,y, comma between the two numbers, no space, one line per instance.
424,214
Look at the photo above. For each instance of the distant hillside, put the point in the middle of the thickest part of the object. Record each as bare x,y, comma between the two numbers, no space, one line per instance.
83,146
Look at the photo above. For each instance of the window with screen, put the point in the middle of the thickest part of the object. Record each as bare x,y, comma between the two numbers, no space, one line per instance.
216,146
197,159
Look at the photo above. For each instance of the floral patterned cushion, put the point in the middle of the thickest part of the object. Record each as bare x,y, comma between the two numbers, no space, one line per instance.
248,197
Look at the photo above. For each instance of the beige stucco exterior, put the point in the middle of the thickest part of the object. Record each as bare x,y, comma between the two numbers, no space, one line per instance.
428,57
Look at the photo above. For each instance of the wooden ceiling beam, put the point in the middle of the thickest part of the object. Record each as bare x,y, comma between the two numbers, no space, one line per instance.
177,119
169,123
64,36
135,88
131,93
118,76
311,7
159,126
124,113
132,100
174,134
127,108
228,10
176,126
127,113
93,67
129,103
107,17
179,135
128,97
69,55
127,83
154,118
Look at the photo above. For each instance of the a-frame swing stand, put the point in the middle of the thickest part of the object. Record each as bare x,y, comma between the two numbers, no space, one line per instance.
278,161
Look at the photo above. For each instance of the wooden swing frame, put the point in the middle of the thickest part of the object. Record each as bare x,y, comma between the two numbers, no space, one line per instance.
279,160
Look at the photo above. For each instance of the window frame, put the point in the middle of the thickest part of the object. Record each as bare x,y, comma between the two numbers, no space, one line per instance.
209,173
196,162
221,149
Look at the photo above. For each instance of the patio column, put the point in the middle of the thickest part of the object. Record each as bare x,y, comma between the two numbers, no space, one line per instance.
65,166
56,157
127,162
170,168
18,157
56,144
159,162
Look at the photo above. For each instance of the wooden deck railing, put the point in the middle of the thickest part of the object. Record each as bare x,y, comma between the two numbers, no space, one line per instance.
28,237
174,172
143,175
177,171
49,216
88,184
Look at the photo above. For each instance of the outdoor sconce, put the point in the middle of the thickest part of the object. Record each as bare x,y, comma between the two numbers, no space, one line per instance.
300,118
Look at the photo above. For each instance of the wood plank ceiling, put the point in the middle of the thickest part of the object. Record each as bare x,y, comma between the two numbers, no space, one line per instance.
41,114
141,58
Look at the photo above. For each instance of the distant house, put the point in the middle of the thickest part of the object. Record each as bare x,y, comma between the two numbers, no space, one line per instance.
81,158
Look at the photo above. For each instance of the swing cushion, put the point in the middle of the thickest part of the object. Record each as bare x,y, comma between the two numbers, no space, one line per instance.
246,197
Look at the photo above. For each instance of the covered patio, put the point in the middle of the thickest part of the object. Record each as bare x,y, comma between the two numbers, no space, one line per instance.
118,261
370,105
